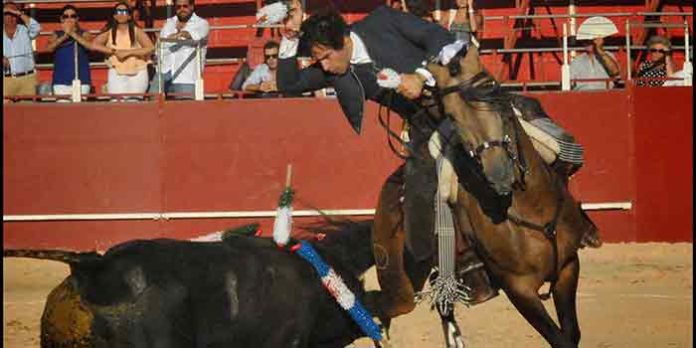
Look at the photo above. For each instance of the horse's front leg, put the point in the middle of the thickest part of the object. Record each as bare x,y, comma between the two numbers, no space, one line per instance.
564,298
450,328
523,293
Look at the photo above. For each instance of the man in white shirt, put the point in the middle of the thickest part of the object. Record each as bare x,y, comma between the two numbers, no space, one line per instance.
19,75
263,78
595,63
179,70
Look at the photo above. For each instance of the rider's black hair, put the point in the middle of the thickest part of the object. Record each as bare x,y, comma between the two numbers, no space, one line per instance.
326,28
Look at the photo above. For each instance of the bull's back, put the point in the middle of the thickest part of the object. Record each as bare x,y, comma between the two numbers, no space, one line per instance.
243,290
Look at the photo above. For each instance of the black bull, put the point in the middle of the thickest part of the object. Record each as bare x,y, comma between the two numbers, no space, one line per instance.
241,292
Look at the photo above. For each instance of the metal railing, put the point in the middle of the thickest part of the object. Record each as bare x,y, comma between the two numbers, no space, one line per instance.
565,81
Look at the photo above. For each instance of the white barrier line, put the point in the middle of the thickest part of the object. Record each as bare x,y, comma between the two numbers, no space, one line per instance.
241,214
635,295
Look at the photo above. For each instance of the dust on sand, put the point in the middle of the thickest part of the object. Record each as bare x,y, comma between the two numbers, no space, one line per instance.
630,295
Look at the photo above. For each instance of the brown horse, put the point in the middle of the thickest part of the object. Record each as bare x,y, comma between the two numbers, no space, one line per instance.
523,221
511,206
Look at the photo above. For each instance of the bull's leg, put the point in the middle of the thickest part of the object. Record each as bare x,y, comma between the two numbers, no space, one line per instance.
523,293
564,297
397,294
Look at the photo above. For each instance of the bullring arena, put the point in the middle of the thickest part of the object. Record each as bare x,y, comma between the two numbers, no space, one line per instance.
86,176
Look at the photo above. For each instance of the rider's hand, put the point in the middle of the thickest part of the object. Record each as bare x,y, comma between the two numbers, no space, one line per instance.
411,85
291,24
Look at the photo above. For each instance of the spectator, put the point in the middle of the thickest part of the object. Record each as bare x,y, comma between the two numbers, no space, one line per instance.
263,78
595,63
19,75
463,20
397,5
421,8
659,63
128,49
62,44
140,11
179,70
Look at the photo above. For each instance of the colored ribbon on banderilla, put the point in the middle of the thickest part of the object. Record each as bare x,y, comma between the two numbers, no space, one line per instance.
333,283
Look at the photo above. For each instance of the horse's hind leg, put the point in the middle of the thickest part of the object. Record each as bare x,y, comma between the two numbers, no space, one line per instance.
523,294
564,294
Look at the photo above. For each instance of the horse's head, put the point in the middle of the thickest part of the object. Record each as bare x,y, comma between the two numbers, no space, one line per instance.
471,98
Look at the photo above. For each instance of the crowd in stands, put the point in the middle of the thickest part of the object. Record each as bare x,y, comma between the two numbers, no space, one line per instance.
128,51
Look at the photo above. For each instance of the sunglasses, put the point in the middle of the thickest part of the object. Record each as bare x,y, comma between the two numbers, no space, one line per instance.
653,50
122,11
181,6
269,56
66,16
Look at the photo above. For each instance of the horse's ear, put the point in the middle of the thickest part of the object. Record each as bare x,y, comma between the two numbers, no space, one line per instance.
471,63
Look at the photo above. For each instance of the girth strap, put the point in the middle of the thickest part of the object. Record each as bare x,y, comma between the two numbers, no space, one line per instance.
549,231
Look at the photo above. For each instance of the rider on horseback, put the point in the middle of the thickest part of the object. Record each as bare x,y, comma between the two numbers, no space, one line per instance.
349,59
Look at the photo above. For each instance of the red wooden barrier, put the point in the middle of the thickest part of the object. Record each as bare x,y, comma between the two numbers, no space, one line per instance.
231,156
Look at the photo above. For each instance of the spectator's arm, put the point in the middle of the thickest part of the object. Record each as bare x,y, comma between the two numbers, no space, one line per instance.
33,26
146,46
97,44
253,82
168,30
669,64
573,72
196,31
54,41
609,63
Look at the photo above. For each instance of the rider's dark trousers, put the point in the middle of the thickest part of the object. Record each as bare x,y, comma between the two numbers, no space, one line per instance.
405,218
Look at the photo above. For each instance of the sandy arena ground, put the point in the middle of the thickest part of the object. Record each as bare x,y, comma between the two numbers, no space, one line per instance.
630,295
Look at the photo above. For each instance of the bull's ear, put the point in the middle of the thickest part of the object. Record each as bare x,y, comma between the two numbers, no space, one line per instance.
471,63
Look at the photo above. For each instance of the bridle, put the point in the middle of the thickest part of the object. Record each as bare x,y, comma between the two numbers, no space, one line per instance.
471,91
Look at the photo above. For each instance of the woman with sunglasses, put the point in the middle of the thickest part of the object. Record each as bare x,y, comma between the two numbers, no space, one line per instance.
128,50
62,43
658,64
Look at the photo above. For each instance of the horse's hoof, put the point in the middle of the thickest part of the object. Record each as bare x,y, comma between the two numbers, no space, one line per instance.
482,297
591,240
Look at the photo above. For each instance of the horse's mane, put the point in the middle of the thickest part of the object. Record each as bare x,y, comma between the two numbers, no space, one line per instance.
491,93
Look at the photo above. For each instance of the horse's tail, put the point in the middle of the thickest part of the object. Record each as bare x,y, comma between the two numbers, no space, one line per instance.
69,257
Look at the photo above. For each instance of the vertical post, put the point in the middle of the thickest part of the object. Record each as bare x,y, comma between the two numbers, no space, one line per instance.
198,89
76,84
159,66
565,69
573,22
688,68
170,4
628,49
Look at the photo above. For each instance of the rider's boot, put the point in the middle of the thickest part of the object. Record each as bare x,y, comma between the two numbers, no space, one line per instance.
590,237
475,277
